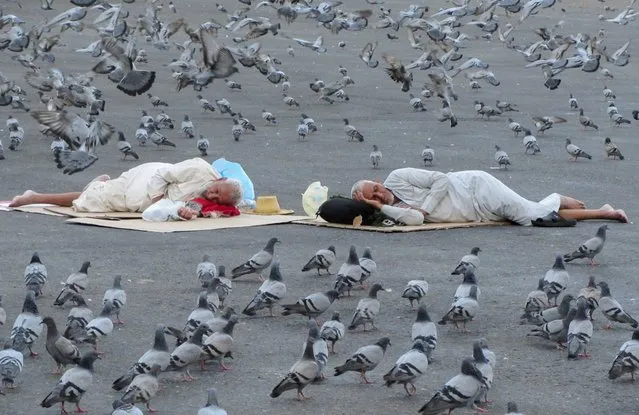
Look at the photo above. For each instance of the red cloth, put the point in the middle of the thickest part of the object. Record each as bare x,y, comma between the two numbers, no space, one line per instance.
210,207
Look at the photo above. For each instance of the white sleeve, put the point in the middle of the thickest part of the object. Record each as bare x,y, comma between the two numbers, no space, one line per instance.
163,210
407,216
435,182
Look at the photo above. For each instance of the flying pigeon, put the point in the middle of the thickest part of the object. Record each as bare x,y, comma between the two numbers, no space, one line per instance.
258,262
591,248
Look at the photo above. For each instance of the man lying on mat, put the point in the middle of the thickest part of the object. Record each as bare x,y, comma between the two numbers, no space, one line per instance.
414,196
187,189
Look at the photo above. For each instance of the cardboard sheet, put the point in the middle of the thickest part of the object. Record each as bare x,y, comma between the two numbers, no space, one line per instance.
417,228
38,208
199,224
67,211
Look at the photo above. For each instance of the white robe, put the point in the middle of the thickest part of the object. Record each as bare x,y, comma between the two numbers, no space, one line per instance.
465,196
135,189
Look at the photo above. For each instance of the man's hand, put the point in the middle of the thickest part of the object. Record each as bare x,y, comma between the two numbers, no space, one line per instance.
187,213
374,203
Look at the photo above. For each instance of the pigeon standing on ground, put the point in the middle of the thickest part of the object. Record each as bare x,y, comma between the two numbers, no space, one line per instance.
212,406
463,289
302,130
299,375
312,306
142,135
349,273
367,309
258,262
416,103
515,127
27,327
591,248
626,361
612,150
586,121
143,388
322,260
206,271
530,143
556,279
612,310
408,367
425,331
61,349
483,365
368,266
187,127
35,275
553,313
237,130
579,332
73,384
415,290
470,261
187,353
572,101
79,317
332,331
11,364
501,157
376,157
219,345
76,283
537,300
446,114
205,104
365,359
575,152
101,326
555,330
203,145
320,349
116,297
269,294
125,147
351,132
428,156
463,310
201,314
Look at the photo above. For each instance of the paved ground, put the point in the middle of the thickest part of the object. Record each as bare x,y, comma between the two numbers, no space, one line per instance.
159,270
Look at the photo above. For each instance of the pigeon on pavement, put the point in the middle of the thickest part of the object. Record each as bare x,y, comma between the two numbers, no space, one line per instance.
258,262
269,294
365,359
35,275
425,331
408,367
322,260
332,331
591,248
73,384
612,310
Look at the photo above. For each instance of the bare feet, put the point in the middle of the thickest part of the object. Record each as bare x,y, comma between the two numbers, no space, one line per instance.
26,198
614,214
567,202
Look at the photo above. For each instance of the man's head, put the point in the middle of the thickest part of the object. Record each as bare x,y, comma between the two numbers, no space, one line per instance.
226,192
373,191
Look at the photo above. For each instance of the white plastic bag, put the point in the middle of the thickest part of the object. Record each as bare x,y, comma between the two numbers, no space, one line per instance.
313,197
163,210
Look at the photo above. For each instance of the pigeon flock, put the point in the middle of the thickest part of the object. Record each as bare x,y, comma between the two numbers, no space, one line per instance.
444,75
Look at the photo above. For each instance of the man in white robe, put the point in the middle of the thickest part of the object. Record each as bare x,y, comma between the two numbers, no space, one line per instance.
414,196
138,188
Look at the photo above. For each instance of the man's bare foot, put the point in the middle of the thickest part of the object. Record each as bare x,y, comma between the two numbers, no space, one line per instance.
607,208
567,202
26,198
621,216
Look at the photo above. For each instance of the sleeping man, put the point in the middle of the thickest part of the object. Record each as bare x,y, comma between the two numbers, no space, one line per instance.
162,191
414,196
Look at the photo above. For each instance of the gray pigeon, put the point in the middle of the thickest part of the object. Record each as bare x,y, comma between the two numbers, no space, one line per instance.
415,290
556,279
468,261
551,314
143,388
575,152
368,266
320,349
333,331
187,353
73,384
537,300
367,309
590,248
269,294
61,349
425,331
375,156
579,332
312,306
35,275
463,289
116,297
322,260
11,363
349,273
121,408
206,271
79,317
258,262
299,375
483,365
101,326
408,367
125,147
626,361
501,157
201,314
612,310
219,345
212,406
463,310
555,330
365,359
224,286
76,283
458,392
157,355
27,327
202,145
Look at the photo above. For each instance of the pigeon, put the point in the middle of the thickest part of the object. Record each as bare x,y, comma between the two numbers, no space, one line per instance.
11,364
368,266
212,297
157,101
320,349
258,262
269,294
446,114
217,323
187,353
159,139
367,309
302,130
232,84
572,101
115,296
506,106
206,271
73,384
530,143
299,375
35,275
290,101
575,152
125,147
315,46
591,248
224,285
76,283
618,119
470,261
612,310
203,145
61,349
142,135
428,156
219,344
579,332
592,294
537,300
3,314
120,69
463,310
205,104
269,117
415,290
157,355
553,313
201,314
1,151
612,150
225,107
365,359
349,273
332,331
626,361
366,55
322,260
100,326
163,120
312,306
416,103
460,391
79,317
555,330
397,72
556,279
463,289
212,406
515,127
483,365
424,331
16,137
501,157
351,132
187,127
310,123
27,327
585,121
375,156
408,367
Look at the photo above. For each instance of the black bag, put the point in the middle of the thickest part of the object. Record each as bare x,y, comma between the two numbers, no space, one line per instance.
341,210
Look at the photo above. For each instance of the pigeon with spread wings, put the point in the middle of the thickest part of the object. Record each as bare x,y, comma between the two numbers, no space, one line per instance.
314,46
397,72
367,55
